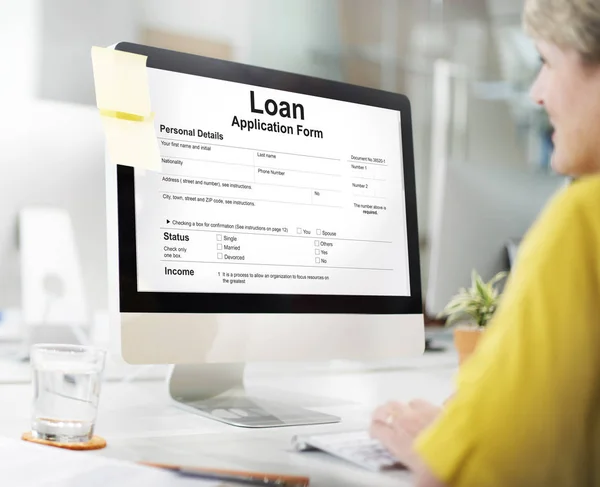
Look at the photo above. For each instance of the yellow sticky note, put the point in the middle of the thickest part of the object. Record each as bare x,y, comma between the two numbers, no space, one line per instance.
123,97
132,143
121,81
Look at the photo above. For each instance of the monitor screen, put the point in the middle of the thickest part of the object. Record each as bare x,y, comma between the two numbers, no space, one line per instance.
265,191
278,193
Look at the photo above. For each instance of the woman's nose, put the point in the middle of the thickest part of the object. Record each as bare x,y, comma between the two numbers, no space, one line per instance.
536,92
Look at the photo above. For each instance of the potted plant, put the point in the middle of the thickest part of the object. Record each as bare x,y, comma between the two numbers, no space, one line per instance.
473,308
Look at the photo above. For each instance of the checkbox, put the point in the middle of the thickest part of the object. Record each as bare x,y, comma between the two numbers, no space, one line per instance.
219,237
317,252
219,246
318,231
316,243
299,231
219,255
317,260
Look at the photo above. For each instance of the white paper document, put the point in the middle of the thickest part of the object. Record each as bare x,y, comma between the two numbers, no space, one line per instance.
264,191
28,465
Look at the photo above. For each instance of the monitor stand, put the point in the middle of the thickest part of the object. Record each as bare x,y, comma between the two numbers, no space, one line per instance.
217,391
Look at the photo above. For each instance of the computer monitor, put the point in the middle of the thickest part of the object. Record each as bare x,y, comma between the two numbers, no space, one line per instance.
479,214
283,227
52,157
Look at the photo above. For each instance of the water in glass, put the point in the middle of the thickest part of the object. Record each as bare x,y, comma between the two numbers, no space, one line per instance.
66,396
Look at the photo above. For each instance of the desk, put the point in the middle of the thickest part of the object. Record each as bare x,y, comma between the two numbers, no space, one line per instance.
140,423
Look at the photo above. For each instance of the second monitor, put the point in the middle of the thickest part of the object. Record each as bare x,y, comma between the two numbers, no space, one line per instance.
481,213
283,227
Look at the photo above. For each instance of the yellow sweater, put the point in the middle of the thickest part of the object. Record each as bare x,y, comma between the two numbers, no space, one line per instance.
527,408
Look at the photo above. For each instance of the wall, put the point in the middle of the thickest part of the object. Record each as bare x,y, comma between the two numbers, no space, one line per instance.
19,40
57,161
225,21
493,137
68,30
269,33
289,36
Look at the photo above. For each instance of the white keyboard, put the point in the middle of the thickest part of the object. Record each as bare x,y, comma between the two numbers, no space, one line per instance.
354,446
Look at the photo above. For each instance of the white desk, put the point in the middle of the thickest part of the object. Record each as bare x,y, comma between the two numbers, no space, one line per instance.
139,423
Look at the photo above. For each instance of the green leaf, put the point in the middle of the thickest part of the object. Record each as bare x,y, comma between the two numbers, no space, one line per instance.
477,303
497,278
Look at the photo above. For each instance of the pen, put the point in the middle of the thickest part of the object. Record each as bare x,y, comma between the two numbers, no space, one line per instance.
246,478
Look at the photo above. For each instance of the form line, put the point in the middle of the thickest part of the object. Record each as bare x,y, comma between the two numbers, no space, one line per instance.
245,199
250,182
288,235
276,265
254,165
250,148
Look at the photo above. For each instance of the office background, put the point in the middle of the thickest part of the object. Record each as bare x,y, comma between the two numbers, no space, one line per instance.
481,158
465,65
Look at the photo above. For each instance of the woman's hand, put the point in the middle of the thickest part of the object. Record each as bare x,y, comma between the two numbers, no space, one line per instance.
396,425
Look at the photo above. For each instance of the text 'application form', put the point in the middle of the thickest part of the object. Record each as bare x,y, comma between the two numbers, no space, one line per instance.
268,191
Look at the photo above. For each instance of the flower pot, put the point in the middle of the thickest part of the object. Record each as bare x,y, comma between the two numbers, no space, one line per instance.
465,341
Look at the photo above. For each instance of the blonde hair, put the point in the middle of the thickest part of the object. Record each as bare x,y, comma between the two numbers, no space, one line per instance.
572,24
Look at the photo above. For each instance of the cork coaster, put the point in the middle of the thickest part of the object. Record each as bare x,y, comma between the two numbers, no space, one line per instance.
96,443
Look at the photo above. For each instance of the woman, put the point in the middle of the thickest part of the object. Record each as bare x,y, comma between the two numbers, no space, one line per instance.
526,412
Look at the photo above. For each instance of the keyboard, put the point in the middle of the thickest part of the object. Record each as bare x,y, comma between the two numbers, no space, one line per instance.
356,447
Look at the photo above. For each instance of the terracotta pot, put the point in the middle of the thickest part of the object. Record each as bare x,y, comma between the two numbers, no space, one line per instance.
465,341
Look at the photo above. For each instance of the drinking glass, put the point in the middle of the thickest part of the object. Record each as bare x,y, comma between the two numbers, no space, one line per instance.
66,384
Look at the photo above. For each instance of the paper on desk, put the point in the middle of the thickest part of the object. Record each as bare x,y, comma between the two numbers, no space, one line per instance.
123,97
28,465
